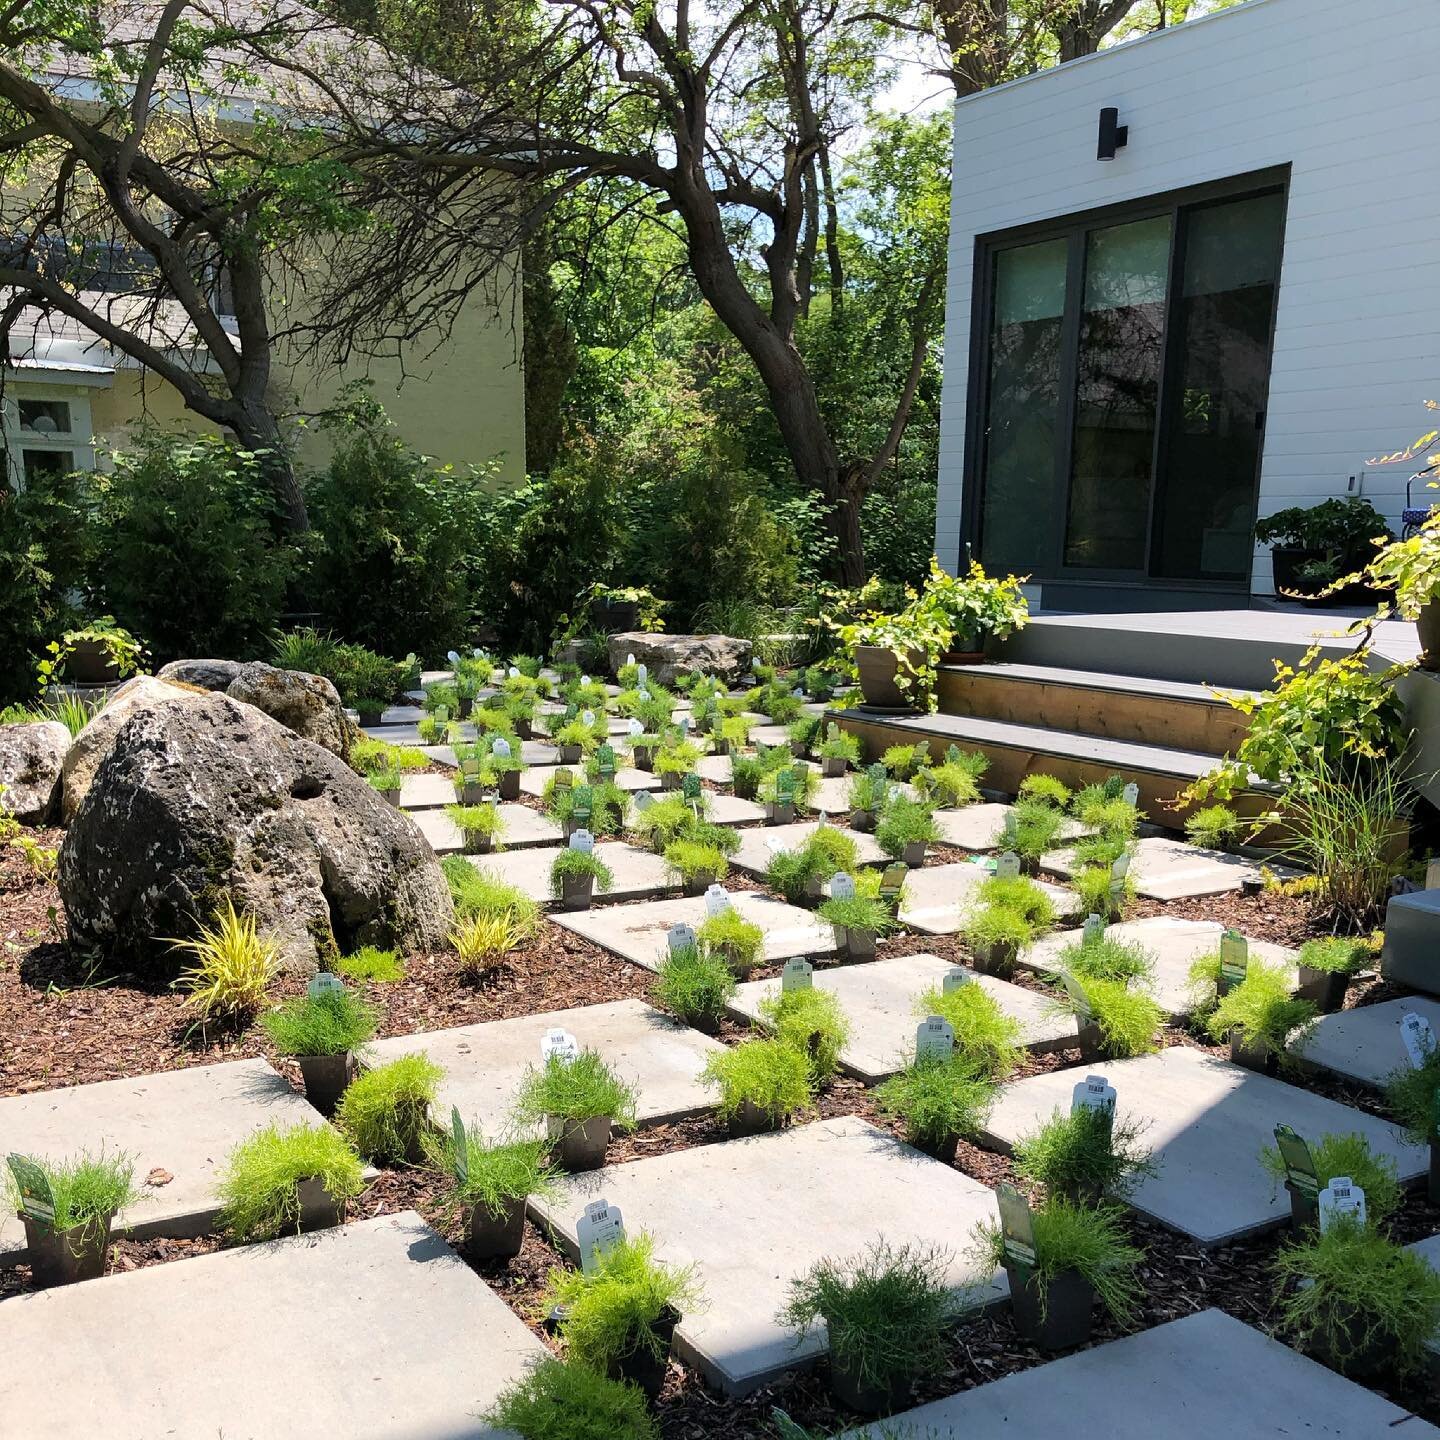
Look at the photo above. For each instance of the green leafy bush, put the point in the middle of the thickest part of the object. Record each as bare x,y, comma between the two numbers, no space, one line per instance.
1045,790
259,1184
694,984
1035,830
770,1074
905,822
905,761
858,912
558,1401
1106,958
1022,895
386,1111
936,1097
997,929
476,891
1262,1008
329,1023
1084,1155
578,1089
1128,1019
1335,955
1098,892
812,1022
827,851
1410,1093
1213,827
955,781
690,859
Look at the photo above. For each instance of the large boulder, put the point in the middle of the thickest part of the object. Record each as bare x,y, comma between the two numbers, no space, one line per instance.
32,758
201,797
94,742
666,656
307,704
205,674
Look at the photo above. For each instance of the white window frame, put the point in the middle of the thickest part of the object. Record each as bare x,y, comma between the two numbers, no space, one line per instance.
79,442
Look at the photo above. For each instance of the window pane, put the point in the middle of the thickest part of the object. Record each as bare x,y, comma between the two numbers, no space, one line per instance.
1117,391
47,417
41,463
1018,523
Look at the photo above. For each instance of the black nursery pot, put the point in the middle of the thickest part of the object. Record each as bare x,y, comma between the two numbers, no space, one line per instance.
780,814
580,1144
643,756
1259,1058
63,1257
699,884
670,780
833,765
575,891
750,1119
942,1148
319,1210
643,1366
508,786
326,1077
495,1237
1326,989
868,1399
1434,1182
862,820
569,754
913,854
1066,1315
996,959
369,718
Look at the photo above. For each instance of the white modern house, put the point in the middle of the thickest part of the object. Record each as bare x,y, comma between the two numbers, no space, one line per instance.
1194,279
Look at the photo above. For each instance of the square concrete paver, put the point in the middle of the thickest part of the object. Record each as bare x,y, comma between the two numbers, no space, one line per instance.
975,827
524,827
1363,1044
715,768
637,932
484,1064
880,998
1208,1120
183,1121
1204,1376
110,1357
427,792
534,780
752,1214
937,898
758,846
764,733
1429,1252
1174,945
638,873
1165,869
731,810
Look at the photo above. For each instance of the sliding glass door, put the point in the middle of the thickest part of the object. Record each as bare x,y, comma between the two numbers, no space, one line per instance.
1123,392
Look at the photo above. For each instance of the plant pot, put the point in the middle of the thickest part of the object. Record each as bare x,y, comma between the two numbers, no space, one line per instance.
869,1399
863,821
1427,627
495,1237
643,1366
746,789
643,756
470,792
878,668
524,729
857,946
1090,1041
1324,988
750,1119
575,891
799,749
1259,1058
720,746
62,1257
730,954
780,814
1285,563
832,765
670,780
369,719
319,1210
476,844
996,959
508,785
942,1149
326,1077
705,1024
579,1144
913,854
814,888
1067,1308
699,884
392,797
463,706
569,754
617,617
90,663
1354,1356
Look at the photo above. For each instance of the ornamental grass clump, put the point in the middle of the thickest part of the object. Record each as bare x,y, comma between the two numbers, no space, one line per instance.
381,967
1099,892
905,761
695,863
580,1088
576,867
476,891
804,784
840,745
905,828
85,1189
1126,1020
493,1176
955,781
480,826
481,942
986,1038
940,1100
1085,1155
328,1023
798,874
695,984
739,942
386,1111
1046,790
1102,957
762,1083
260,1184
1213,827
996,935
812,1022
1410,1094
1031,831
235,965
860,918
1259,1014
1348,1155
1022,895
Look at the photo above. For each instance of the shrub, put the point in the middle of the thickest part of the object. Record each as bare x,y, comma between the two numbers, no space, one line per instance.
1035,831
1084,1155
572,864
805,782
868,791
694,984
805,732
578,1089
329,1023
1112,819
356,672
476,891
769,1074
1335,955
1106,958
608,805
858,912
234,966
1410,1093
885,1311
476,822
938,1096
986,1038
84,1188
556,1401
1127,1019
954,782
812,1022
258,1186
1214,827
385,1111
690,859
1023,896
1045,790
1262,1008
384,967
905,822
666,821
840,745
741,941
495,1174
1350,1155
482,941
1098,893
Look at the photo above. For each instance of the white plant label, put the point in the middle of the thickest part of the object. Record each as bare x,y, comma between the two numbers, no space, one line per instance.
500,747
513,672
934,1038
1094,1092
954,979
1342,1197
453,656
894,793
583,840
1419,1039
1121,868
798,974
641,675
324,983
1007,866
842,886
1094,929
717,900
644,800
558,1044
680,937
629,657
584,679
634,728
587,718
1131,794
597,1232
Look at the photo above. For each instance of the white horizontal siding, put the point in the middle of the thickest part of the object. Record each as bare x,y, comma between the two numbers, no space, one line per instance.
1348,101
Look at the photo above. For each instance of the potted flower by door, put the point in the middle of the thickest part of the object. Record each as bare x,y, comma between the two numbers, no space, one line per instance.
973,609
695,984
905,828
696,865
1258,1016
575,875
322,1031
887,1314
838,751
487,1186
857,921
67,1208
940,1100
1315,545
580,1100
289,1181
763,1084
480,826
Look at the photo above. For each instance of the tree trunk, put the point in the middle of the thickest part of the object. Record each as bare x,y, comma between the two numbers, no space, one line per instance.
256,429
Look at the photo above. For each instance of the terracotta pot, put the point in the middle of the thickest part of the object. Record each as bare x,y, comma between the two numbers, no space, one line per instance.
1068,1301
89,663
1427,626
579,1144
877,669
575,892
494,1237
63,1257
326,1077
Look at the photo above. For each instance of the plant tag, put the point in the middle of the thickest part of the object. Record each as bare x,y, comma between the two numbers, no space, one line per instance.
584,679
1017,1227
685,722
1234,957
1094,1092
934,1038
876,774
1094,929
680,936
1121,868
513,672
587,718
37,1199
894,793
582,839
1007,866
564,778
1078,998
634,728
583,803
893,881
642,674
952,754
1341,1198
643,800
597,1232
1131,794
955,977
784,787
1299,1163
442,713
500,748
1011,830
460,1164
842,886
559,1044
1419,1039
453,656
324,983
717,900
690,786
798,974
630,657
605,759
469,766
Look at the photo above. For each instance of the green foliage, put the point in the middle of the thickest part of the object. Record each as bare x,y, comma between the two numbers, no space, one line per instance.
329,1023
905,822
85,1188
578,1089
827,851
812,1022
481,942
1351,1155
1084,1155
477,891
886,1311
859,912
669,819
234,965
571,864
1022,895
1098,893
1106,958
953,782
557,1401
770,1074
494,1173
1037,826
259,1183
1335,955
694,984
740,940
840,745
998,928
372,757
938,1096
805,781
987,1040
1045,790
905,761
356,672
690,859
1262,1008
1128,1019
868,792
1213,827
476,822
1410,1093
383,967
385,1111
609,805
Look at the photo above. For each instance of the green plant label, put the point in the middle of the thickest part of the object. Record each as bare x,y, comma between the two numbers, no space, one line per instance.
642,674
1341,1199
460,1164
1017,1227
717,900
1007,866
842,886
690,786
1234,956
955,977
1094,1092
605,759
37,1199
934,1038
798,974
558,1044
681,937
1299,1163
1011,831
876,775
324,983
564,778
583,803
1094,929
442,713
597,1232
1418,1038
952,754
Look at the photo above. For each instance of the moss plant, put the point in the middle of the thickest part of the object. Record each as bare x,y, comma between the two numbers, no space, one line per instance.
496,1174
1214,827
812,1022
1262,1008
1023,896
477,891
578,1089
612,1312
481,942
905,822
572,864
1334,955
691,859
858,912
740,941
694,984
234,965
385,1111
383,967
886,1312
329,1023
1106,958
938,1097
986,1038
1035,831
769,1074
259,1184
1352,1294
1349,1154
558,1401
1085,1154
1045,790
85,1188
1128,1019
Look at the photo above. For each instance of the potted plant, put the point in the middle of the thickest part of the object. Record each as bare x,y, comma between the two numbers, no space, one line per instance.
786,788
481,941
1085,1156
886,1313
905,762
620,1318
370,710
869,790
1114,1021
98,653
695,984
812,1022
697,865
819,684
287,1182
746,772
1104,957
574,739
895,657
322,1031
1326,967
1347,1155
389,782
502,771
940,1100
581,1100
1098,891
905,828
996,935
575,875
763,1084
674,762
804,732
838,751
642,750
955,781
487,1184
973,609
555,1400
1257,1017
480,826
987,1040
1310,546
1081,1254
1213,827
67,1208
1031,830
732,736
739,942
1410,1093
386,1111
857,921
800,874
1047,789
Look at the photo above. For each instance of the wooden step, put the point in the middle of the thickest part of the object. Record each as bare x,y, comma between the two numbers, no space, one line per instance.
1174,714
